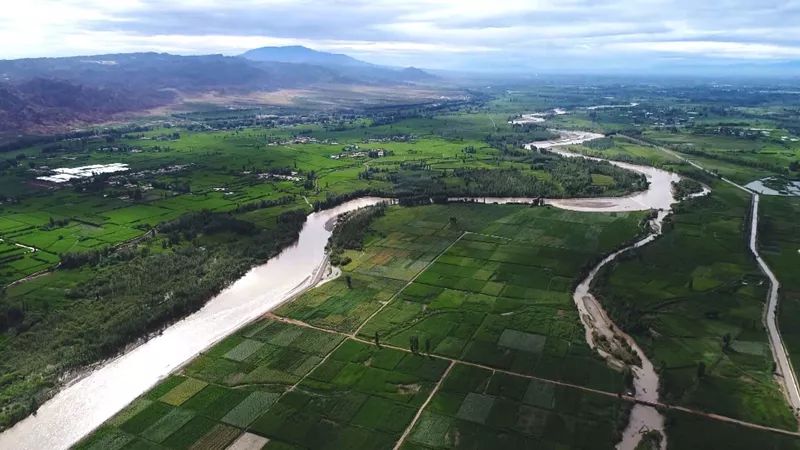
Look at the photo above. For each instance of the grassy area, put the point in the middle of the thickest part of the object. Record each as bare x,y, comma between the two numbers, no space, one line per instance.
696,296
620,149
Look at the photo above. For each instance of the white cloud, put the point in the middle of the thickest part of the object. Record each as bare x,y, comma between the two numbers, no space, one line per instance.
737,50
420,32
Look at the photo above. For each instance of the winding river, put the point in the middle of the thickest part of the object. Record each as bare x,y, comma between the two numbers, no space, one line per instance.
86,403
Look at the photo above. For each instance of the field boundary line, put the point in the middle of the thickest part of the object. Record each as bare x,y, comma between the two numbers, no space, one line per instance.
423,406
620,396
414,278
494,236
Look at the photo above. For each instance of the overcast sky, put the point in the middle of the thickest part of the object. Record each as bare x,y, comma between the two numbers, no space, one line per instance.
433,34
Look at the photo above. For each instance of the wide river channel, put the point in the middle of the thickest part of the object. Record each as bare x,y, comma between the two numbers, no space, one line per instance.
92,399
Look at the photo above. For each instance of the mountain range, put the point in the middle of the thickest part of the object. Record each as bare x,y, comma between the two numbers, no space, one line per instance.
42,93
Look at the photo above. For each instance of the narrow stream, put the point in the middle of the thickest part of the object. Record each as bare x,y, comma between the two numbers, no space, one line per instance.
614,345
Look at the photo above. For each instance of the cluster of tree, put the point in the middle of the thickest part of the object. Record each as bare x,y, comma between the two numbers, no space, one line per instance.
181,187
350,231
267,203
370,173
191,225
503,182
52,224
96,183
12,313
72,260
600,144
512,142
417,183
388,114
685,187
10,163
311,180
332,200
413,344
574,175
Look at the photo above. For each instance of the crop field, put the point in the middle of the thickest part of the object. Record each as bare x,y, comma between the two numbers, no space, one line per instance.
266,354
779,244
478,408
222,170
501,296
358,396
692,431
696,296
335,306
742,160
620,149
18,262
200,182
307,388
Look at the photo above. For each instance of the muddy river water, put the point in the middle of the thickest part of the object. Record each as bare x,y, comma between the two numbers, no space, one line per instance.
86,403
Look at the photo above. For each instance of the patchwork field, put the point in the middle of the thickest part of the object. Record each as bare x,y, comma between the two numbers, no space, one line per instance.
478,408
486,284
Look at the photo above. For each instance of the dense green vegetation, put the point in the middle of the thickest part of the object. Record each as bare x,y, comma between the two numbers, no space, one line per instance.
503,297
696,296
349,232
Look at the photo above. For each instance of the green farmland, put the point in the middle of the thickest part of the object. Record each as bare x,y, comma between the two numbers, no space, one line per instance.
324,387
452,325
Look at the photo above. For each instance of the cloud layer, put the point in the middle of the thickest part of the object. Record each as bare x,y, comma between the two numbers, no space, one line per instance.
520,34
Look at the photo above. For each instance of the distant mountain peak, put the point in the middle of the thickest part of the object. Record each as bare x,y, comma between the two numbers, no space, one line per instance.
299,54
417,74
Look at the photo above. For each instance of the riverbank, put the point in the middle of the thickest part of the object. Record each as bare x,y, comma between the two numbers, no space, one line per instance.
84,405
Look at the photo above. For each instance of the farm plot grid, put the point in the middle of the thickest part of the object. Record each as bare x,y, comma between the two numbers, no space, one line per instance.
490,289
